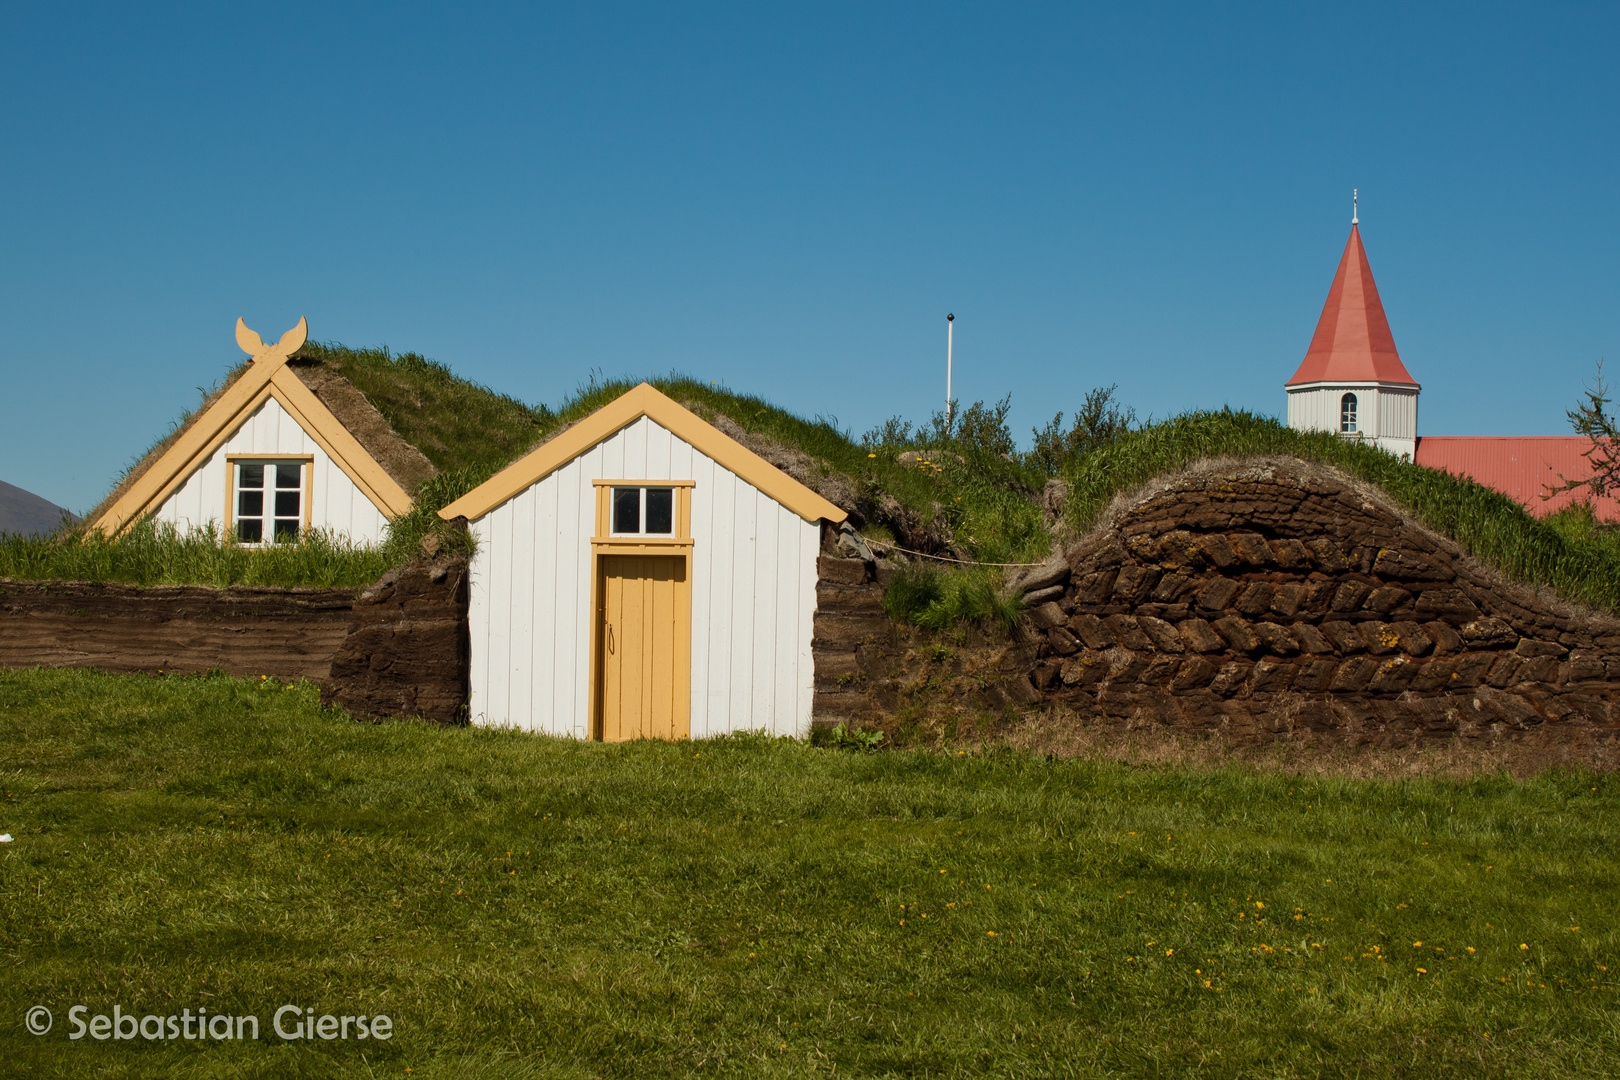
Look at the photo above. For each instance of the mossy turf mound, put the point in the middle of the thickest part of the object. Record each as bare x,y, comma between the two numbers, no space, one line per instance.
456,423
1568,552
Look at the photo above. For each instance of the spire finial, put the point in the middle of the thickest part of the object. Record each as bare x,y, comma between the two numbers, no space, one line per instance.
1355,206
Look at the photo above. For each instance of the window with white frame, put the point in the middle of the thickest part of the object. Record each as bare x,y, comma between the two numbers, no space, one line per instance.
269,500
1347,414
643,511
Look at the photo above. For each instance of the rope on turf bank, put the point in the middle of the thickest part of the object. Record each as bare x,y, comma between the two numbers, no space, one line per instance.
960,562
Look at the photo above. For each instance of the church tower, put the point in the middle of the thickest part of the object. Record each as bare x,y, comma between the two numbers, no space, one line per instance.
1352,380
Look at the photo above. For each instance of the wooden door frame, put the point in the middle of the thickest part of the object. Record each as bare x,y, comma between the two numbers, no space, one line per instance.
677,545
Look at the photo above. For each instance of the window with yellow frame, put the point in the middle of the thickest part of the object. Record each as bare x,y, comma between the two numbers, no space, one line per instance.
268,496
643,516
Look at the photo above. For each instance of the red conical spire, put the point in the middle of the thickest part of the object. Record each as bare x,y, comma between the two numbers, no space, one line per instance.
1352,342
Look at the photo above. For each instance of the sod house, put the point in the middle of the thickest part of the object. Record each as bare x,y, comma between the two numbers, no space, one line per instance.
283,447
643,575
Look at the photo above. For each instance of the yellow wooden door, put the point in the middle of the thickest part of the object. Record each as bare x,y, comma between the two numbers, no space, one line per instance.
643,648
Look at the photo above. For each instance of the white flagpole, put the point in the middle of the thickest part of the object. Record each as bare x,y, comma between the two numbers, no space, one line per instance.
950,327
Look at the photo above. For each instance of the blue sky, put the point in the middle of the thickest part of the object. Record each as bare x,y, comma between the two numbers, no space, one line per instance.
791,200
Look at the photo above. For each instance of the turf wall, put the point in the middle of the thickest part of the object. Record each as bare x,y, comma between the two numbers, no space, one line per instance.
251,631
1264,598
1258,601
407,652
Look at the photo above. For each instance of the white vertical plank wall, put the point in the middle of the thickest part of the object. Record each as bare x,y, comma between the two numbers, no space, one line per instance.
336,504
753,595
1385,415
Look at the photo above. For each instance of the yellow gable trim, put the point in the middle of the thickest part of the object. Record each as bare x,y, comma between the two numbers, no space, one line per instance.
343,448
621,412
268,377
198,442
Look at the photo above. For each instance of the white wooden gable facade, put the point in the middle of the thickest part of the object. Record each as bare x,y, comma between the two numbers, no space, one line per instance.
265,460
543,647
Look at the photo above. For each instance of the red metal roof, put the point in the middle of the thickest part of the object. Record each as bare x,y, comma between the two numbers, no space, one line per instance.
1524,468
1352,342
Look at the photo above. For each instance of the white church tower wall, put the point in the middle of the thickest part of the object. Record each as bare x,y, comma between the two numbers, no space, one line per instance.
1384,415
1352,381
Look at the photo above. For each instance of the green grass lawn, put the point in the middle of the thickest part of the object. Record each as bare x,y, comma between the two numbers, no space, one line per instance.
522,906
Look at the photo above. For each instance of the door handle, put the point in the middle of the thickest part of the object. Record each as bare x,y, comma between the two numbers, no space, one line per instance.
610,637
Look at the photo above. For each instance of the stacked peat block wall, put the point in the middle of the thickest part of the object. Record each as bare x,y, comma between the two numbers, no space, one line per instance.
407,652
852,642
868,669
287,633
1264,599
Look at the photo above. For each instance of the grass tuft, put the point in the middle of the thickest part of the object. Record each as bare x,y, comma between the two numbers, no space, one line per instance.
154,554
936,598
406,532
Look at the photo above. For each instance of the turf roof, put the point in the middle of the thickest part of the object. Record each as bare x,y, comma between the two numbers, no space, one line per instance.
467,431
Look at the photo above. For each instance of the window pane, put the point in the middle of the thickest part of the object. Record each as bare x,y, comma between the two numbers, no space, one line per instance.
286,530
626,510
250,530
252,476
287,504
250,504
660,510
287,476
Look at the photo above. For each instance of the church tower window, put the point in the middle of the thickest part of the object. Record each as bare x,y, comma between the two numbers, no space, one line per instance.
1347,414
